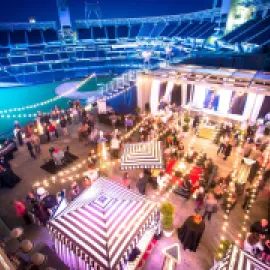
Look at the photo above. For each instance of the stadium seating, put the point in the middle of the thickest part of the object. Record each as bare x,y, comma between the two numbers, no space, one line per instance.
253,31
84,33
4,38
134,30
17,37
34,37
111,31
50,35
159,27
122,31
169,28
145,30
99,32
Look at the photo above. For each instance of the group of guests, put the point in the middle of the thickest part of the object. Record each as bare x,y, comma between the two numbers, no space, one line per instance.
257,241
36,208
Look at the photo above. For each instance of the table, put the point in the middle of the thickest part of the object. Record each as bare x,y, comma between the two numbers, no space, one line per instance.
190,233
207,132
8,178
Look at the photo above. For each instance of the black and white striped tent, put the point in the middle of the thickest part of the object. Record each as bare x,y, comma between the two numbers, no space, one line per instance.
238,259
142,155
100,228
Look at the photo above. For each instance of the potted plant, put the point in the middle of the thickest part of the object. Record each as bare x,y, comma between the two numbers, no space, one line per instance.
185,128
138,110
167,211
186,119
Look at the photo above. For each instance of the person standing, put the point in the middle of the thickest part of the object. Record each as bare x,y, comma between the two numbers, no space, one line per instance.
21,211
63,125
75,114
29,146
247,198
126,180
18,134
141,184
36,143
210,206
228,150
199,198
52,131
221,145
115,146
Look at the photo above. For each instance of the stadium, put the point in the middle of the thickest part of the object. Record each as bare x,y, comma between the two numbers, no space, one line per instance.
148,139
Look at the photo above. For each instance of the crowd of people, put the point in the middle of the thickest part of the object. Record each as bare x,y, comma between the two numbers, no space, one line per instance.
204,185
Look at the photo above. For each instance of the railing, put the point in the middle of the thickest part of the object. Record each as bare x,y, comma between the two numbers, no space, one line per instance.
28,26
209,13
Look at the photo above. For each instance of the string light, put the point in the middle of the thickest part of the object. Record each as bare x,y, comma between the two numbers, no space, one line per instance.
64,175
253,194
8,112
231,188
42,103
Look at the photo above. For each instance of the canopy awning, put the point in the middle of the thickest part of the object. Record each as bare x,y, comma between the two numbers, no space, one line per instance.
142,155
236,258
104,223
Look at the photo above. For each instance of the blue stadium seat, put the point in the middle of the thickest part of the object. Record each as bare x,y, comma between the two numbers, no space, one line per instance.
240,30
122,31
90,54
4,61
50,35
170,27
134,30
51,56
110,31
159,27
98,32
181,26
201,27
194,26
84,33
57,66
18,60
258,34
209,31
43,67
63,55
101,53
4,38
35,58
184,30
30,69
79,54
145,30
17,37
34,37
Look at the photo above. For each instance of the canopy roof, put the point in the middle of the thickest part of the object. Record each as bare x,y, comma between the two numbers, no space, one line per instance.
234,79
102,222
142,155
236,258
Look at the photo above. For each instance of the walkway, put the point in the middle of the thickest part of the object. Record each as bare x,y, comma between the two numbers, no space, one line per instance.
30,172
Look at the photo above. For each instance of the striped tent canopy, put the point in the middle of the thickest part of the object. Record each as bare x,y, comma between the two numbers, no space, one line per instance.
236,258
142,155
104,223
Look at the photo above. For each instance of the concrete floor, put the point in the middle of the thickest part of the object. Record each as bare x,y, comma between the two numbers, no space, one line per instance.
30,172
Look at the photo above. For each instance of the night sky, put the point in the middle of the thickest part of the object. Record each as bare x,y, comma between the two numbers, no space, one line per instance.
45,10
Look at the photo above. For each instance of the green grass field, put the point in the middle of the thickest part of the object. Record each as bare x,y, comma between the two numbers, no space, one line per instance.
15,97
